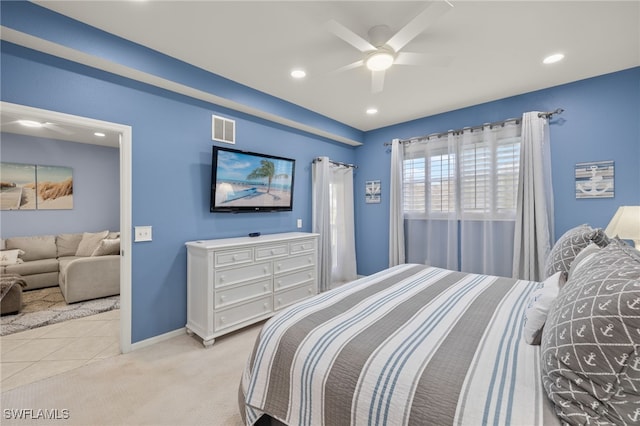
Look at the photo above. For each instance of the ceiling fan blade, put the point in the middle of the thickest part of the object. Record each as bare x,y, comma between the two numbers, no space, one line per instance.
377,81
426,18
351,66
410,58
349,36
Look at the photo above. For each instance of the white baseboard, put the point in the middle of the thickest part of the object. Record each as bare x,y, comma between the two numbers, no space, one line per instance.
157,339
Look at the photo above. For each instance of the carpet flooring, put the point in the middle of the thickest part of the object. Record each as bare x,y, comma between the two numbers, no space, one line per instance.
174,382
47,306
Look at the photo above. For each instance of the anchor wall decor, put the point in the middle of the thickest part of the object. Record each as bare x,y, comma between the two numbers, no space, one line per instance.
595,179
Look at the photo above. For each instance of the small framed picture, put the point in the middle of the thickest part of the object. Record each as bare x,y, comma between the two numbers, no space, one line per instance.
372,191
595,180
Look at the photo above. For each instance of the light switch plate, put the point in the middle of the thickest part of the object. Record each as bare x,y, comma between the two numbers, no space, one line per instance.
142,233
299,223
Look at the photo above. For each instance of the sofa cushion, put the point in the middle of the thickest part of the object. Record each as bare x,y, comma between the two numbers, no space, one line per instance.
11,257
35,248
33,267
68,244
90,242
107,247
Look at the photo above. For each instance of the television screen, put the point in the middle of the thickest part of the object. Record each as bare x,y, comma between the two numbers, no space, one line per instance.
244,181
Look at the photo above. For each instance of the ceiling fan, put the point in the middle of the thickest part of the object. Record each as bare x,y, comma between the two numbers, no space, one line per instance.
382,50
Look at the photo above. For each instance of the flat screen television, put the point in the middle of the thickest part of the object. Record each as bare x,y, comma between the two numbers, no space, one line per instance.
243,181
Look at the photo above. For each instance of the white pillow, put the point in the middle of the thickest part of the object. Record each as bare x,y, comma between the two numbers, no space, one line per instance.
89,243
107,246
538,307
10,257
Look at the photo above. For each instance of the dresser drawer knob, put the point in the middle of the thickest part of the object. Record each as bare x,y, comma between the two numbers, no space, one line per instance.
279,283
222,320
266,287
279,301
310,290
233,257
266,270
309,259
273,252
222,298
310,275
279,266
221,278
266,306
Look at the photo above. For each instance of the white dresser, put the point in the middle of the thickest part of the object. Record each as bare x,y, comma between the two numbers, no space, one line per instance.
234,282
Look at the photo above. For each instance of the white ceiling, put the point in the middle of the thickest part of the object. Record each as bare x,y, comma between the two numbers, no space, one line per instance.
497,48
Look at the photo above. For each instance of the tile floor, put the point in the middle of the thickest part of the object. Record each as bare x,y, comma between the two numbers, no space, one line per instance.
33,355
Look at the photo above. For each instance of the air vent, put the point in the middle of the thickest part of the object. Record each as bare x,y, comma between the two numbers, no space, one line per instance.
223,129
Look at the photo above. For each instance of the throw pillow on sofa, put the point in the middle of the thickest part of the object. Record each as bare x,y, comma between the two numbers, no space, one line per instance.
90,242
68,244
107,247
10,257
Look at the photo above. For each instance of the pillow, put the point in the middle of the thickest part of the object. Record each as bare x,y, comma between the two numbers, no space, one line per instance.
568,246
10,257
590,361
583,258
90,242
538,307
68,244
107,247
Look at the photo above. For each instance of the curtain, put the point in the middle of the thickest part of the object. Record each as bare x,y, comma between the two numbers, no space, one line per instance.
396,216
430,180
332,218
534,217
321,214
459,198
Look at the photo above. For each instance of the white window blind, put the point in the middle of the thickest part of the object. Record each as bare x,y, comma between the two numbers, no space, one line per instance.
473,174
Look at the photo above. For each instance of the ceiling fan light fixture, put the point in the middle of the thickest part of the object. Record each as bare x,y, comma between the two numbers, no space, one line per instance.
379,61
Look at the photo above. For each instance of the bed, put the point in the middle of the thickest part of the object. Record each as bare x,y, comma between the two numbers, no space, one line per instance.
419,345
371,351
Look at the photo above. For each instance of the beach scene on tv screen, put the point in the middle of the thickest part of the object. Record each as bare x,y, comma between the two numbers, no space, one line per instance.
245,180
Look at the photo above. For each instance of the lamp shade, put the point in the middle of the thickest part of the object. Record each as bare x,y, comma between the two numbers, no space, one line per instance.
625,224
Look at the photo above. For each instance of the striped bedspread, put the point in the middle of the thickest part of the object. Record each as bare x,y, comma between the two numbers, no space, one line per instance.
411,345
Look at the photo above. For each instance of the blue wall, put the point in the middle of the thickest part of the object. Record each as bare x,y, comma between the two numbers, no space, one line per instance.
96,190
171,149
171,155
601,122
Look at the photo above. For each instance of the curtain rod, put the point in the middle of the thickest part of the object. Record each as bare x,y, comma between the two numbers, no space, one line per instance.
547,115
336,162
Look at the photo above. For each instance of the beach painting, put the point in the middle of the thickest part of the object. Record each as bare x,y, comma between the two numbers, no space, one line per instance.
35,187
244,180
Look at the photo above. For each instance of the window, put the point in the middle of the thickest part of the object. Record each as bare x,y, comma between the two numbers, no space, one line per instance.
473,174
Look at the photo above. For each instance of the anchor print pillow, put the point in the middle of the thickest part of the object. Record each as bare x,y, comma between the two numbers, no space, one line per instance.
572,242
590,349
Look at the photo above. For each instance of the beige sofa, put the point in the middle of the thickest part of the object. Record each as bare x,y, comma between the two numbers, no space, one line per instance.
84,265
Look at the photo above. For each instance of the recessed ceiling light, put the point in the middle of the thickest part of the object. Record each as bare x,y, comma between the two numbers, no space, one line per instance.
30,123
372,111
99,134
298,73
552,59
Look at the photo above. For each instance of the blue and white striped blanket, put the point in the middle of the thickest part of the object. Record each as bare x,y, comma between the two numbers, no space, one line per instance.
411,345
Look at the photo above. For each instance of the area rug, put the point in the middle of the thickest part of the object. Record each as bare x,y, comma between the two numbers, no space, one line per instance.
47,306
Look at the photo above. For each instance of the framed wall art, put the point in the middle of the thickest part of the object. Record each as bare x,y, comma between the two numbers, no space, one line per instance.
35,187
595,180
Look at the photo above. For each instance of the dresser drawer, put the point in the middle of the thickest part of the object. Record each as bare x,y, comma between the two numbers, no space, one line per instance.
294,262
231,276
268,252
288,297
229,296
232,316
302,246
233,257
290,280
